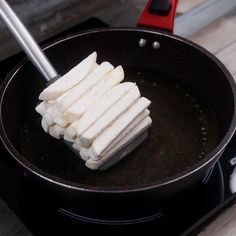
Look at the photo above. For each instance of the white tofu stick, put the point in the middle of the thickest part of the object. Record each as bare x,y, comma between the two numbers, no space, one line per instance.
70,79
67,138
84,152
42,107
107,136
79,90
133,134
126,131
101,106
48,118
70,132
76,146
109,116
56,115
83,103
56,131
44,124
123,134
61,120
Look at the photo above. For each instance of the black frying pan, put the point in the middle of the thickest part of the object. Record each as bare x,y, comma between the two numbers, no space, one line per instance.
193,111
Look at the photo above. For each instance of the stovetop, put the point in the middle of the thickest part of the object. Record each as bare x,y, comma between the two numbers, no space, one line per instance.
185,215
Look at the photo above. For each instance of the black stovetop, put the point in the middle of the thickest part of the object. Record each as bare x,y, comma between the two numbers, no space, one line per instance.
185,215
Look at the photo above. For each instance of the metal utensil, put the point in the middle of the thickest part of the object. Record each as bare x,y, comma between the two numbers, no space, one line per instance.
27,42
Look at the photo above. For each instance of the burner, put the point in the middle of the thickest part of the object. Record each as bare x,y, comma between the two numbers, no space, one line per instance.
37,207
110,222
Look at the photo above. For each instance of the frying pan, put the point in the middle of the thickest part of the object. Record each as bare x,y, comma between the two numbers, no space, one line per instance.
193,111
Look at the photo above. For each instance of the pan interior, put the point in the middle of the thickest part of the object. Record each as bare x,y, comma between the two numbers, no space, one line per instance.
183,131
187,88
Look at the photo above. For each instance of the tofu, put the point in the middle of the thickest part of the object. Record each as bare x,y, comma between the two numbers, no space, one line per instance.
143,115
44,125
42,107
82,104
61,120
67,138
76,146
48,119
62,104
109,116
101,106
107,136
123,134
56,131
96,114
71,130
84,152
57,116
70,79
122,144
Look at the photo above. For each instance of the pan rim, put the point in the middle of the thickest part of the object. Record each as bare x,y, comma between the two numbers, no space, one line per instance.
136,188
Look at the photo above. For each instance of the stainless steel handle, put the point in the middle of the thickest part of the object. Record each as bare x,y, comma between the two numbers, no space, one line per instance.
26,41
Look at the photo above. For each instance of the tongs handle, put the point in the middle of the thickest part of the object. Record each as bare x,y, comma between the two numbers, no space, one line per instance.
26,41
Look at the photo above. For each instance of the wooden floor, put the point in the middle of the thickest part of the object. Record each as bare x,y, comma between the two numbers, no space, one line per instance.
210,23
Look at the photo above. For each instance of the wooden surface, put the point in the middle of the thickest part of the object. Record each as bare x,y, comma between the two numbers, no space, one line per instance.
224,224
219,37
211,23
202,15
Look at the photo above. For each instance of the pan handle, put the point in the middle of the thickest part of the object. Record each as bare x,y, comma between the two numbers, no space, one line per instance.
159,14
26,41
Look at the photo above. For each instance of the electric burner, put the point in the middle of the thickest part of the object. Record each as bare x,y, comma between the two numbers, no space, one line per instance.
181,213
38,210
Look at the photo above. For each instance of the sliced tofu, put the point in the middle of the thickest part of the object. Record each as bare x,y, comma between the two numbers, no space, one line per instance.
42,107
82,104
44,125
79,90
66,138
61,120
101,106
56,131
70,132
143,115
57,116
109,116
48,118
107,136
76,146
70,79
84,152
122,144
